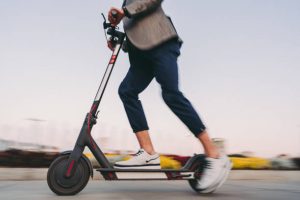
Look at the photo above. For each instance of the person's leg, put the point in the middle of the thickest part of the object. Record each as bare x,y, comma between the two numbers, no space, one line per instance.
145,142
137,79
166,73
164,61
209,148
134,82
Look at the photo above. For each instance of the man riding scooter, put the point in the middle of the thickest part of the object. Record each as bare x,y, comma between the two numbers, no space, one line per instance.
153,47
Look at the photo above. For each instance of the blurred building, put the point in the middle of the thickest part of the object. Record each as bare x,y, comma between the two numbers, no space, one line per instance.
8,144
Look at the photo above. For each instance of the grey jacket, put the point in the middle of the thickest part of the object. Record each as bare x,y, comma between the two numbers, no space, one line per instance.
146,24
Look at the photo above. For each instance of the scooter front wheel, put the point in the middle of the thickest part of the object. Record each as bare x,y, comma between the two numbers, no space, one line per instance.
61,185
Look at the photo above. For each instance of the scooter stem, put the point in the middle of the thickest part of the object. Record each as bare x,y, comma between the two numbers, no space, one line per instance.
85,138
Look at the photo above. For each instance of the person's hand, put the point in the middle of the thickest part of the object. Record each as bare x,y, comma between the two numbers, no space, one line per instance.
115,20
111,44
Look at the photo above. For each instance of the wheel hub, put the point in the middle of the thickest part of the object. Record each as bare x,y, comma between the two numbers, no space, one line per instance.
59,174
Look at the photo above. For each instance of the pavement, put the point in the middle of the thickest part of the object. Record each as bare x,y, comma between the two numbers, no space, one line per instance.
30,184
154,190
19,174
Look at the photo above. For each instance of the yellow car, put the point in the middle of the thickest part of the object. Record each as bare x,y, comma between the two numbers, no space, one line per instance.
250,163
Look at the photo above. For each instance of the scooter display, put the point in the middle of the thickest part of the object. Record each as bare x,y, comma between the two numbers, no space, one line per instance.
70,172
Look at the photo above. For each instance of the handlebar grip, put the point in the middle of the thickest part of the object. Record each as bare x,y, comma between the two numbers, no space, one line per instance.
114,14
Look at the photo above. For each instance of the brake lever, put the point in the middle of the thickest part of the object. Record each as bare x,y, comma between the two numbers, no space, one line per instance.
105,24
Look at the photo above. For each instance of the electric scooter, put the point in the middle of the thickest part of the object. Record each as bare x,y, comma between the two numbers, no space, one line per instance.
70,172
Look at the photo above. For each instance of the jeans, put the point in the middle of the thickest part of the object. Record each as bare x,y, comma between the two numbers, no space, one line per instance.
159,63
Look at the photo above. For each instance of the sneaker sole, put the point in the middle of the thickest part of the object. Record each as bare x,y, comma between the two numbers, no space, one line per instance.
138,167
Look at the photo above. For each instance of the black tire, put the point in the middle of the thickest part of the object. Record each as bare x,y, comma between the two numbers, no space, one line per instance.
71,186
198,168
194,185
194,182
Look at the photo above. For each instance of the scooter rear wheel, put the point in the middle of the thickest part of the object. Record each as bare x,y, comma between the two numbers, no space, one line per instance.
61,185
194,183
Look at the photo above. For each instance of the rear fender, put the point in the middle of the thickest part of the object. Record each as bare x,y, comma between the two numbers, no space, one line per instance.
196,162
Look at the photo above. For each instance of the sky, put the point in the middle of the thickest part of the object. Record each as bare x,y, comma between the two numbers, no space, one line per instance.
239,67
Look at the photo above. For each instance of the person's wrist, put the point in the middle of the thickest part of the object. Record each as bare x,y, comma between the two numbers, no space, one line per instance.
122,12
126,13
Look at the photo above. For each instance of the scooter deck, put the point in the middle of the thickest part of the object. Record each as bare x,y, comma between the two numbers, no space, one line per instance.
187,172
146,174
141,170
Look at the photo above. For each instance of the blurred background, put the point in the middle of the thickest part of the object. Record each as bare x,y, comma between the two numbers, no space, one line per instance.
239,66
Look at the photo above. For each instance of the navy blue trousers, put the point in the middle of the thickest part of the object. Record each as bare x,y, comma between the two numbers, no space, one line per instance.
159,63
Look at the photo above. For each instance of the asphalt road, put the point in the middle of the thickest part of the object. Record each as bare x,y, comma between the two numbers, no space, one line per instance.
154,190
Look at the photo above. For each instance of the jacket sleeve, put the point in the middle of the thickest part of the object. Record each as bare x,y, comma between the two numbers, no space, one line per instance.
141,7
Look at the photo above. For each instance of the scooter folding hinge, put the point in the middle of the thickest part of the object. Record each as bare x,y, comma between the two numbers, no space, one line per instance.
93,120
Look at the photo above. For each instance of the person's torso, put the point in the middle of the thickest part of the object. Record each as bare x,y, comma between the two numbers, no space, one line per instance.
150,30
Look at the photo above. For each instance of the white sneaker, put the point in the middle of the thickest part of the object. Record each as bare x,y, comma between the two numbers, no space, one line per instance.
215,173
217,185
141,160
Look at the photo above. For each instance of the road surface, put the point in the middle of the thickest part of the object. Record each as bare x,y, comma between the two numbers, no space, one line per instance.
154,190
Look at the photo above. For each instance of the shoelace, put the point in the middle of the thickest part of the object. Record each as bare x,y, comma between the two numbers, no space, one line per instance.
208,165
139,153
207,174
